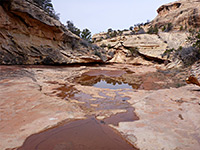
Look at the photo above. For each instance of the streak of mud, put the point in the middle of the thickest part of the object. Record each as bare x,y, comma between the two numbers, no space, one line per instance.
127,116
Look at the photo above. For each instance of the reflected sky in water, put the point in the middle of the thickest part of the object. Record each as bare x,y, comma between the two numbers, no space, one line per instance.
104,84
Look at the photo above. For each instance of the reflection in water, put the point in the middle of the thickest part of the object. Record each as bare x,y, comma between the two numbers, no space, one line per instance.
107,82
112,85
89,133
149,81
67,91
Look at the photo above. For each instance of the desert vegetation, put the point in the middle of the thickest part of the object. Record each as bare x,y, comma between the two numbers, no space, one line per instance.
47,6
153,30
190,54
85,34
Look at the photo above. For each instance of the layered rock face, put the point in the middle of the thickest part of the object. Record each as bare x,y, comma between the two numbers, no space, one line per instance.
149,45
28,35
182,14
175,19
141,48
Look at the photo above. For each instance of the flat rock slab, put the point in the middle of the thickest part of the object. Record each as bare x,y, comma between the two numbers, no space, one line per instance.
169,119
25,110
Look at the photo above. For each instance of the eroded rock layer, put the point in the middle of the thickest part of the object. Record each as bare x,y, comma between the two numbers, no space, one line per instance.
182,14
28,35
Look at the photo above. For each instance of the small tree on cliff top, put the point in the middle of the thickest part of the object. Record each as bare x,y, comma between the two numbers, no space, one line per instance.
86,35
71,27
48,7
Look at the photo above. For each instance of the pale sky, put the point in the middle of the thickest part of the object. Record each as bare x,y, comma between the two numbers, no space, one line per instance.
99,15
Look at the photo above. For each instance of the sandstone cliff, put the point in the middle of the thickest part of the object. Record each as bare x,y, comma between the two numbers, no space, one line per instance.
142,48
28,35
169,31
182,14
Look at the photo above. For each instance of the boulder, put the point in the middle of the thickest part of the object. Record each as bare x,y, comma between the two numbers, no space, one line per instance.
194,74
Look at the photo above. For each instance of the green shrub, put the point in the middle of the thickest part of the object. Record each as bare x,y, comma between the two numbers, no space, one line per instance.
71,27
86,35
47,6
180,48
113,34
194,39
181,28
131,28
109,30
120,32
187,55
103,45
168,52
153,30
109,46
169,27
163,28
134,51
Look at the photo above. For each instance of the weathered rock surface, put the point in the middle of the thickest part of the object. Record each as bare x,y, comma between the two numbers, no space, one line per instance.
182,14
37,98
28,35
168,119
26,108
147,47
175,19
174,39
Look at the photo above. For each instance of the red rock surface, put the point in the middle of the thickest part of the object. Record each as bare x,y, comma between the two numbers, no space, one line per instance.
37,98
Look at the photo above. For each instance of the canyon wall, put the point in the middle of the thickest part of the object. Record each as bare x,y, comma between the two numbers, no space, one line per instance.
28,35
182,14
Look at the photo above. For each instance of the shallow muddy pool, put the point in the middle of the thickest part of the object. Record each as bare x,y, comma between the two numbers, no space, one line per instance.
91,133
120,79
88,134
